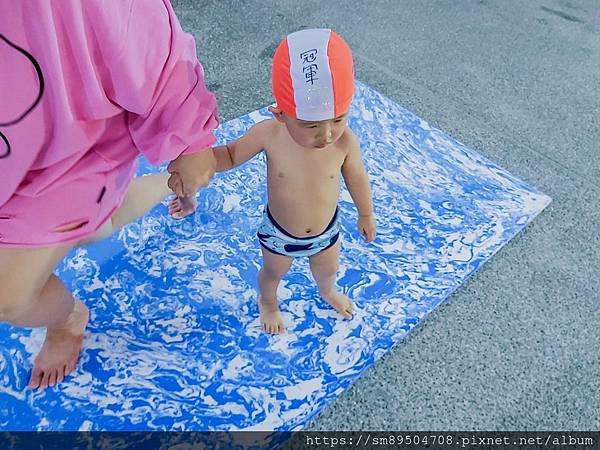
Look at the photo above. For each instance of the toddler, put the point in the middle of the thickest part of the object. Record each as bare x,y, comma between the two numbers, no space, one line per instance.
307,145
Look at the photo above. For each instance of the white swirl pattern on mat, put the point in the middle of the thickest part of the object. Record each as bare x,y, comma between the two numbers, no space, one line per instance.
174,341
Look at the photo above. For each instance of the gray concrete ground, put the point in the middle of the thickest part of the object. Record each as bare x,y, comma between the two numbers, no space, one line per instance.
516,347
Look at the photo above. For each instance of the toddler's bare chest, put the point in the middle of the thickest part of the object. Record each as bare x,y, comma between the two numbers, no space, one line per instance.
304,170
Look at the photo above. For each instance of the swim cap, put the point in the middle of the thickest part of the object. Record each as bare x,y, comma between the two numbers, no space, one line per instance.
313,75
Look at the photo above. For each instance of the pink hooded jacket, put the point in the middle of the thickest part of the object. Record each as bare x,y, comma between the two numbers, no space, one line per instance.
85,87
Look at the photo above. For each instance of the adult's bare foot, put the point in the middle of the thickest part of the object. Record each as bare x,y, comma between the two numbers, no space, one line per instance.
180,207
340,303
60,351
270,317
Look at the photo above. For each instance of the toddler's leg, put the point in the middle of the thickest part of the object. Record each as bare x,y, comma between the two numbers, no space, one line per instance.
324,266
273,269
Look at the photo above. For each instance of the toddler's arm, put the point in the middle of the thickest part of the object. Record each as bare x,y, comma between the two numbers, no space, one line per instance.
357,181
245,148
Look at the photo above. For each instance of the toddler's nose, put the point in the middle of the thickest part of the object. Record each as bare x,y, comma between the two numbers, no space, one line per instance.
327,132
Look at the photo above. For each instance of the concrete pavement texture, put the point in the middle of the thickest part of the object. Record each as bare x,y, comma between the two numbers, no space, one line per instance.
515,347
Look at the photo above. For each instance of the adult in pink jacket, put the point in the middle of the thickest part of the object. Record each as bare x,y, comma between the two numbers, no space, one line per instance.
85,88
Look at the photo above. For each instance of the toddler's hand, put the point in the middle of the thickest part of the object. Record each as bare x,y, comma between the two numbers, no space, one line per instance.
191,172
367,227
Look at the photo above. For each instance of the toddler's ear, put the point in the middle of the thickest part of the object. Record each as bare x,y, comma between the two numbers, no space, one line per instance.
277,112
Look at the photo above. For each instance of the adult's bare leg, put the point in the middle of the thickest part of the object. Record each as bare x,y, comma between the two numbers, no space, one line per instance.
143,194
31,296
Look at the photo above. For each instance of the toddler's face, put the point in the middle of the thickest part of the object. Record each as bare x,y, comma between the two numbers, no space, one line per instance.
316,134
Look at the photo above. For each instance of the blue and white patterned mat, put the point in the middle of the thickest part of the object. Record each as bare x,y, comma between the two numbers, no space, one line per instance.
174,341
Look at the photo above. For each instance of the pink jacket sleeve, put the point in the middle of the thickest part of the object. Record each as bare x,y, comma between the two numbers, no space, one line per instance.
155,75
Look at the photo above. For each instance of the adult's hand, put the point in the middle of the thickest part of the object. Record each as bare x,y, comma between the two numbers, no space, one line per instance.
191,172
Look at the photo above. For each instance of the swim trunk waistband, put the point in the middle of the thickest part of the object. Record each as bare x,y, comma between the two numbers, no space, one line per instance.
276,239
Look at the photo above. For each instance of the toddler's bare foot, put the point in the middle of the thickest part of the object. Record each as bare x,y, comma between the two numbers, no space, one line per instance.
340,303
182,206
60,351
270,316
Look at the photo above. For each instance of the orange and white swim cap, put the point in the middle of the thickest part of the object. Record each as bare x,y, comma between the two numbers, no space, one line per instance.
313,75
